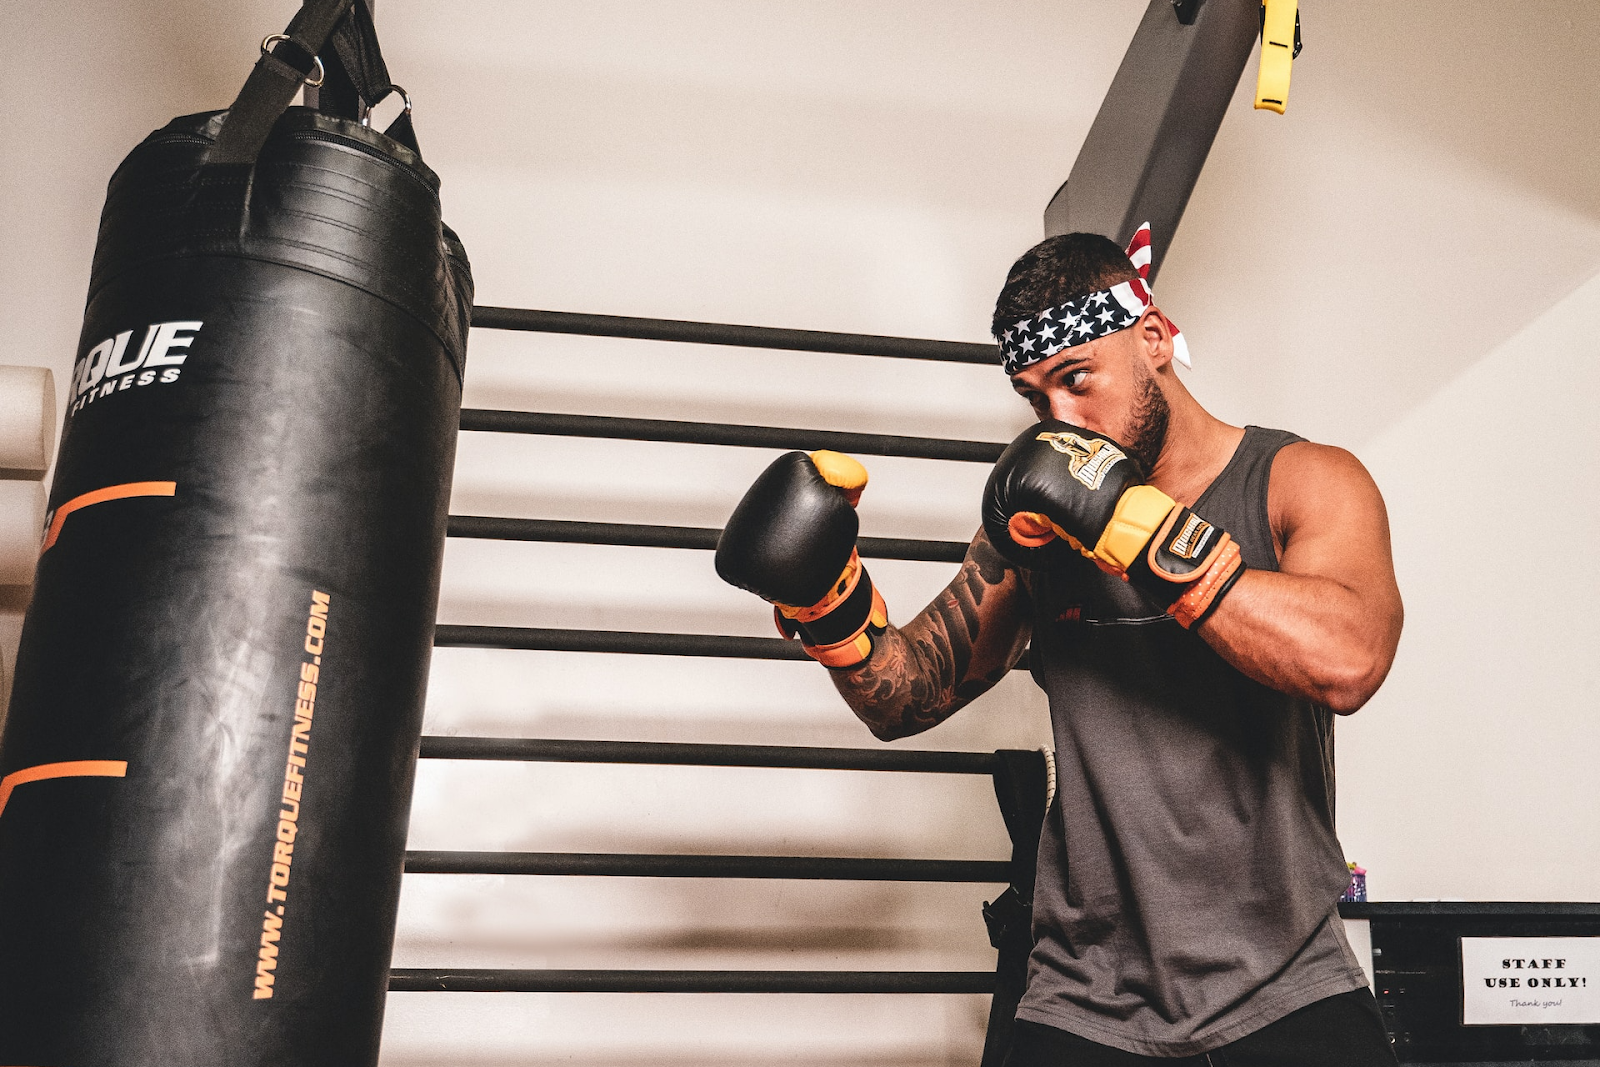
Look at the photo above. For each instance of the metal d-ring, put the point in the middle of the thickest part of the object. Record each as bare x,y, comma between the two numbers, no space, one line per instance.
366,120
273,38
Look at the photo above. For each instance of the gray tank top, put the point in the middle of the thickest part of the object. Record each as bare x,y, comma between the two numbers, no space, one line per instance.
1188,871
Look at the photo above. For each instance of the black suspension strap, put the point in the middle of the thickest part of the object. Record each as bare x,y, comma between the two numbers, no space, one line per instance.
357,77
1022,786
272,85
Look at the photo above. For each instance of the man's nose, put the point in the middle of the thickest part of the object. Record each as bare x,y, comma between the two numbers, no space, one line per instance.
1064,408
1071,410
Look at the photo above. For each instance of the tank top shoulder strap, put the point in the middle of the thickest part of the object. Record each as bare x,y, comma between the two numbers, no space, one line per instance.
1237,499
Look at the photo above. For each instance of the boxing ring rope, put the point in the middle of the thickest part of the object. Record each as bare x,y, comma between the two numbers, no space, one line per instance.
495,528
716,433
716,333
625,642
506,980
670,753
635,865
704,645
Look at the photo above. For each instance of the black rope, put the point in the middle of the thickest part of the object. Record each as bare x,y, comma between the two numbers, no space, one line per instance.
640,644
624,865
491,527
535,749
718,433
486,980
627,642
716,333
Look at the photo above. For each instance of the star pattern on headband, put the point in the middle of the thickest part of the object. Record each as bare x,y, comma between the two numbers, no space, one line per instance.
1089,317
1084,319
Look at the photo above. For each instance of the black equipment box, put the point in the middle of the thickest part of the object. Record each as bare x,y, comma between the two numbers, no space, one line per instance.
1455,989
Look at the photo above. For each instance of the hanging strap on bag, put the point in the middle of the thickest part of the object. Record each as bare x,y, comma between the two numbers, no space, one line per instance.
1022,785
277,77
357,78
336,41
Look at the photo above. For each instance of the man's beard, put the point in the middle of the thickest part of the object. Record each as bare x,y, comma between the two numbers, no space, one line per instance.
1148,427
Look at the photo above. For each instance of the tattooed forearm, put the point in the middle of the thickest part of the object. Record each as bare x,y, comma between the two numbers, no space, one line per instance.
959,646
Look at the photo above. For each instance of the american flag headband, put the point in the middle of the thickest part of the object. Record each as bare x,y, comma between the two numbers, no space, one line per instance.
1088,317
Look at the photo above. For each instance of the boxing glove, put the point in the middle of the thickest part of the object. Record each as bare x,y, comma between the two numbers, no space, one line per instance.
1059,483
792,541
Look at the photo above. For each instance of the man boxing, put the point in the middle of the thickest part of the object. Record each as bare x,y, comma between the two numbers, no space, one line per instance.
1200,600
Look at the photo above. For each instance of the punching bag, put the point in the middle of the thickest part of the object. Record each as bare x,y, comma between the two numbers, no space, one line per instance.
206,769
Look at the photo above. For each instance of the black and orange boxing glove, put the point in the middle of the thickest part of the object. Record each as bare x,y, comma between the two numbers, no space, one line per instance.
1059,483
792,541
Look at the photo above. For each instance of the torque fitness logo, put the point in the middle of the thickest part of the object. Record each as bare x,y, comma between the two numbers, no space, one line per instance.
294,784
115,364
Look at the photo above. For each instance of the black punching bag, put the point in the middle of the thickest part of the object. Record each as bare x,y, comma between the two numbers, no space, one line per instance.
206,770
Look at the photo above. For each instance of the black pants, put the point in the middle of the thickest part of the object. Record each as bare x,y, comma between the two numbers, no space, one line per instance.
1341,1031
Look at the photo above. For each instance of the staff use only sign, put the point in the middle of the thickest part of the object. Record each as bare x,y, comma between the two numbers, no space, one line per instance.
1512,981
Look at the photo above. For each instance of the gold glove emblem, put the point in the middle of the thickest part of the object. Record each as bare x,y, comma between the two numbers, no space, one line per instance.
1088,458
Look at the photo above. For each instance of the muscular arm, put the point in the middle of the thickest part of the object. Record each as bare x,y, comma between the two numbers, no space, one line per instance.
955,650
1326,625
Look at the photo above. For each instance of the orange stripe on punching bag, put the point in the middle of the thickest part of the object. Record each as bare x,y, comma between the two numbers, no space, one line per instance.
83,768
100,496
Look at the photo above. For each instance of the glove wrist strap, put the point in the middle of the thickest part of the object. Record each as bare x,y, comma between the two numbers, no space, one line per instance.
1203,595
1188,565
838,631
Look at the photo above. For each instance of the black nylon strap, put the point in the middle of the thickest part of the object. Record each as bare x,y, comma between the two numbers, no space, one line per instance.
358,77
297,57
1021,785
273,83
355,43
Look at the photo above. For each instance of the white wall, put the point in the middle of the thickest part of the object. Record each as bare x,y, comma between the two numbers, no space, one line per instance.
1486,728
1405,264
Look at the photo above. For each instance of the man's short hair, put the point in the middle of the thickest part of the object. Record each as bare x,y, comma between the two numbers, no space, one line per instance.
1056,270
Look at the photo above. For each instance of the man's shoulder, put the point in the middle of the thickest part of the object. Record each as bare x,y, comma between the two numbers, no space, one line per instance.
1311,480
1301,461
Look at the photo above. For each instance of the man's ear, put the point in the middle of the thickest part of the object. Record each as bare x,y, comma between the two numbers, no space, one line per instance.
1155,337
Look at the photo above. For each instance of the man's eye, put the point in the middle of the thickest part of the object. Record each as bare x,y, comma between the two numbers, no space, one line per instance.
1075,378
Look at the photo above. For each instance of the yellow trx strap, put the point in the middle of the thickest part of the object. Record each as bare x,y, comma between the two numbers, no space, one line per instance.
1280,43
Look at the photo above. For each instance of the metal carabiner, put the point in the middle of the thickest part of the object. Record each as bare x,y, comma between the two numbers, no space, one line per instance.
366,119
273,38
